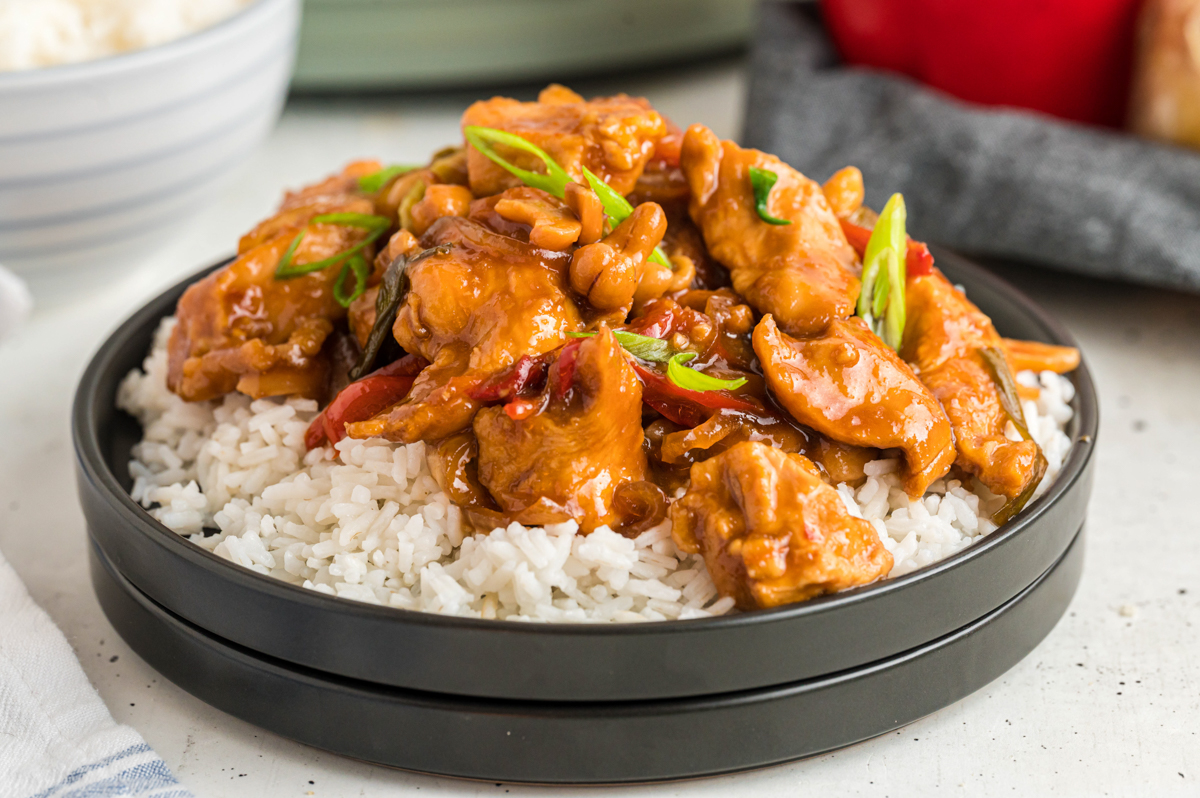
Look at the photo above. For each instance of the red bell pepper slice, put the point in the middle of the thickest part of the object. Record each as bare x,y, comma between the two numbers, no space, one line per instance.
363,399
918,261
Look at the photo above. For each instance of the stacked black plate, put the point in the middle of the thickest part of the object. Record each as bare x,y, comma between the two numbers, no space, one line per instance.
508,701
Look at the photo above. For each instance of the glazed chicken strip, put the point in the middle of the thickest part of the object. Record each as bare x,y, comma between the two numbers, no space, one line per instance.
847,384
945,339
803,273
611,136
771,531
242,329
579,444
474,307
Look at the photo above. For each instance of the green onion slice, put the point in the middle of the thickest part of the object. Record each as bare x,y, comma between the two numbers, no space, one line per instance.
618,209
366,221
881,303
376,225
483,138
375,181
762,181
692,380
357,265
655,350
556,178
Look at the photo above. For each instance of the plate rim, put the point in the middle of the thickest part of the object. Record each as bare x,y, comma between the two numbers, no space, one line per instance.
90,458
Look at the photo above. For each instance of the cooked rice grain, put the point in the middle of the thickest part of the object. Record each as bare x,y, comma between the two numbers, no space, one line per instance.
366,520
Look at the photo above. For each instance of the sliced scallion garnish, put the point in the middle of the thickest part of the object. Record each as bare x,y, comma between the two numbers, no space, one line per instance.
556,178
655,350
375,181
881,303
692,380
376,225
366,221
483,138
762,181
357,265
618,209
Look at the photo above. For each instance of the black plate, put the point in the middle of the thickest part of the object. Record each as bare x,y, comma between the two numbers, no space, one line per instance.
570,662
574,743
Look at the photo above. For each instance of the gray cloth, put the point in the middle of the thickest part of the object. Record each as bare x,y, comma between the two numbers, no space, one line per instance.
991,182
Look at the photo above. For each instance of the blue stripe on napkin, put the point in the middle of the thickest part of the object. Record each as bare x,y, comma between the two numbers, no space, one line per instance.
149,778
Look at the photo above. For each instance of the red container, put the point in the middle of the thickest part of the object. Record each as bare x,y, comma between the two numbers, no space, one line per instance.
1069,58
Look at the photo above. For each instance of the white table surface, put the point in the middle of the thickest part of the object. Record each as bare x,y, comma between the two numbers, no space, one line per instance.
1108,704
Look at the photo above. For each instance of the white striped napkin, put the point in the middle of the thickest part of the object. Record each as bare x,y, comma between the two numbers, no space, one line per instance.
57,739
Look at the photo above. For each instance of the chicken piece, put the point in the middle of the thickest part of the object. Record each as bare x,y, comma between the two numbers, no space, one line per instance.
944,339
847,384
771,531
1037,356
802,273
608,272
242,329
565,454
611,136
477,302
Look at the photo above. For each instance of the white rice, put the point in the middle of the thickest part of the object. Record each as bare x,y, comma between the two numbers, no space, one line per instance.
366,520
41,33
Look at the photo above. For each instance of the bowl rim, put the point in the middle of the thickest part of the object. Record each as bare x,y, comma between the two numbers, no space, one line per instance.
145,57
91,460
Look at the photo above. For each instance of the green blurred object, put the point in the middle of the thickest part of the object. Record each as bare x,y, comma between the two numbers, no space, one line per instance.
410,44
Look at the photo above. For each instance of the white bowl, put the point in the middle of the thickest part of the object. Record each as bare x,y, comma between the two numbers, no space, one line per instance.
101,161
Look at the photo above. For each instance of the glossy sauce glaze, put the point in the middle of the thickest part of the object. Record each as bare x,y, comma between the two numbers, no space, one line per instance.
690,351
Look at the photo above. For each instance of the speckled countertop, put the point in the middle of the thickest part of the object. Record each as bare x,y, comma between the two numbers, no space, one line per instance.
1108,704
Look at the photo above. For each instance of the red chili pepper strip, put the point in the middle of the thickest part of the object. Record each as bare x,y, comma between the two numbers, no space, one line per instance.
563,371
686,407
520,408
528,373
387,386
660,322
918,260
358,401
315,435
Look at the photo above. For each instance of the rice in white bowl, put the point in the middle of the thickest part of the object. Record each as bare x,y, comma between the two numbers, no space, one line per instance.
42,33
365,520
